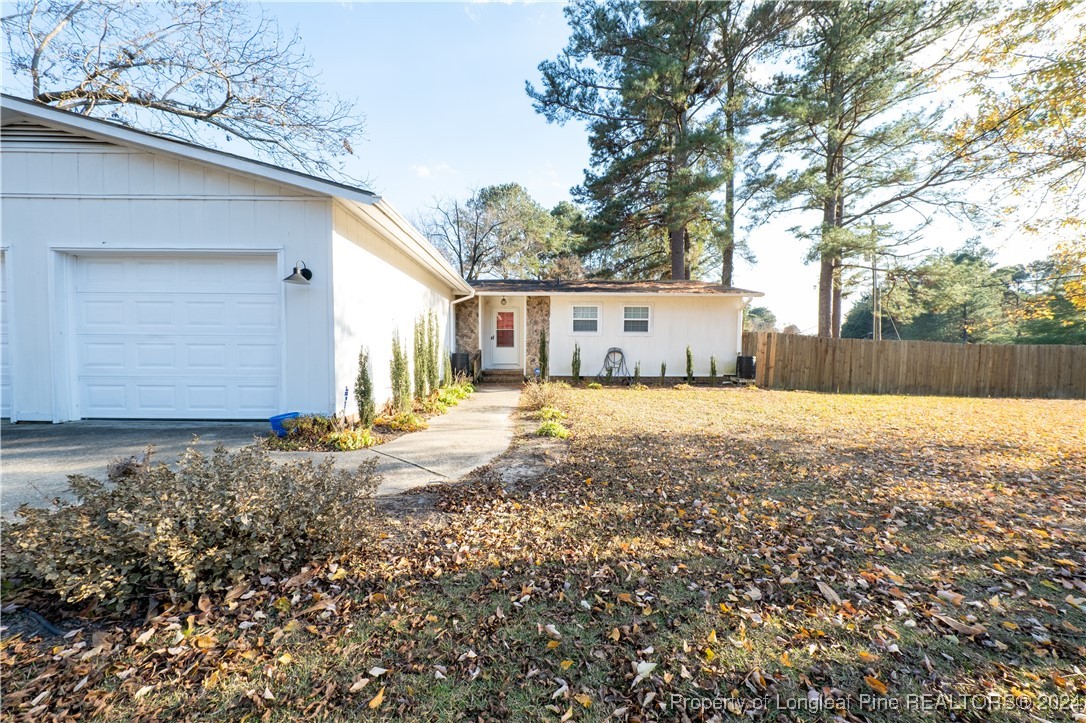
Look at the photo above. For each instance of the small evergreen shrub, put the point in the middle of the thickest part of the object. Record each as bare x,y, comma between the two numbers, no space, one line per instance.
400,375
689,366
447,378
544,372
421,354
433,352
637,373
552,429
363,391
576,364
216,521
610,374
712,370
663,372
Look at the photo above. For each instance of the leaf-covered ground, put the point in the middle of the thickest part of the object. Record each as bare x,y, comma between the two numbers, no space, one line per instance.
695,553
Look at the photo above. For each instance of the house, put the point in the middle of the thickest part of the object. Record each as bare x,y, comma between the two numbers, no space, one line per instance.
651,322
143,277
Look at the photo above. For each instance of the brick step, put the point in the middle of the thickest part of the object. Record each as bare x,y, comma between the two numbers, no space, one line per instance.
502,376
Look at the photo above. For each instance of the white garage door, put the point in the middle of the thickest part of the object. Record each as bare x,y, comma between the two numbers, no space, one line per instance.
177,337
5,365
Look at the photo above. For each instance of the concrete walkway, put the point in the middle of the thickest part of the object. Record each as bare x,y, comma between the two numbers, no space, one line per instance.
469,435
36,459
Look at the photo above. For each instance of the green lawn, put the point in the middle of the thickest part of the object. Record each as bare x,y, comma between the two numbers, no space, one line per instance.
783,552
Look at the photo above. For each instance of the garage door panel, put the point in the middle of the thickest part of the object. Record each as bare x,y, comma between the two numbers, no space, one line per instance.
180,346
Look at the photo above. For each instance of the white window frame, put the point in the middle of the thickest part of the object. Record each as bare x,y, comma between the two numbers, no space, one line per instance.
648,326
599,319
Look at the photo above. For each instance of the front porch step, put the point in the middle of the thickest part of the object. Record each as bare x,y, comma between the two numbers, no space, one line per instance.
502,376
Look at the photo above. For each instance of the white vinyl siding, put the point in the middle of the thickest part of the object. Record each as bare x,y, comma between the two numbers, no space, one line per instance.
586,319
635,319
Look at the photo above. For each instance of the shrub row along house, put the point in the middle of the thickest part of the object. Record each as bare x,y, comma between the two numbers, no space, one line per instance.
143,277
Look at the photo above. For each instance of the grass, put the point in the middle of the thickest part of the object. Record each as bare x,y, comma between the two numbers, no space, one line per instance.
761,549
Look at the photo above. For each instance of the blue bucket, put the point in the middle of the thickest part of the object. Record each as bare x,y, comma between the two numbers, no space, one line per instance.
277,422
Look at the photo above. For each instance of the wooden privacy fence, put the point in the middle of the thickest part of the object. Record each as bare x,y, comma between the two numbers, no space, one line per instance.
791,361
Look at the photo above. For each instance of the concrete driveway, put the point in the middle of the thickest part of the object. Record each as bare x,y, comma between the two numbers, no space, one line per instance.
36,459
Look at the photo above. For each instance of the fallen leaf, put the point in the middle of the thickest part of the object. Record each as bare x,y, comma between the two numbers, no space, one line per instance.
375,701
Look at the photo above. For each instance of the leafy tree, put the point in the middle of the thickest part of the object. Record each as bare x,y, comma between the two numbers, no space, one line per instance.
759,318
204,71
501,230
853,125
1028,92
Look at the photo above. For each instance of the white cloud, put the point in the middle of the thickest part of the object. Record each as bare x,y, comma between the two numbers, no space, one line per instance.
429,170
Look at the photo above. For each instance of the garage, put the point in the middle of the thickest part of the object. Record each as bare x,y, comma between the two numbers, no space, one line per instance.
188,336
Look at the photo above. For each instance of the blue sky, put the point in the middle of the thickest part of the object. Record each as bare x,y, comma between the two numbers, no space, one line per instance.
442,87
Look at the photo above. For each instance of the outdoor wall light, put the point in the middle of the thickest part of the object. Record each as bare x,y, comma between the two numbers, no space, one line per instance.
300,276
503,301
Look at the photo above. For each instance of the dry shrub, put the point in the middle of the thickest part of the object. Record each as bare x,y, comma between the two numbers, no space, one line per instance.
537,395
215,521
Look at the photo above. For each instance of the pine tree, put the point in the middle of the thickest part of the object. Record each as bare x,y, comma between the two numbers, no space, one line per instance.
662,89
544,372
852,116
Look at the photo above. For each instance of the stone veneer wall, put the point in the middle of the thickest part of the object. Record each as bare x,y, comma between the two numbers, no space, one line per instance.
539,318
467,326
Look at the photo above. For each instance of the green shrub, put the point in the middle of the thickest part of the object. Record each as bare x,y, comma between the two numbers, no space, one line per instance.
433,404
309,430
712,370
609,375
403,422
350,439
575,366
550,413
663,371
421,353
363,390
537,395
433,352
544,371
400,375
213,523
689,366
552,429
447,378
637,373
594,385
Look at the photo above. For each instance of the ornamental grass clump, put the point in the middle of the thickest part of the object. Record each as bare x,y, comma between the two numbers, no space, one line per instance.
214,522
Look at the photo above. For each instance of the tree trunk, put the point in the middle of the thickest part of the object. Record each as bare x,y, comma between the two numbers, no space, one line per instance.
677,239
835,325
727,248
825,294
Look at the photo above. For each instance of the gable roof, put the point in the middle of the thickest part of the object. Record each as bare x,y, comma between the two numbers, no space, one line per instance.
33,120
15,110
552,287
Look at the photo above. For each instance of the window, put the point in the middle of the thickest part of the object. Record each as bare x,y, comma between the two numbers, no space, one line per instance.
586,319
635,320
